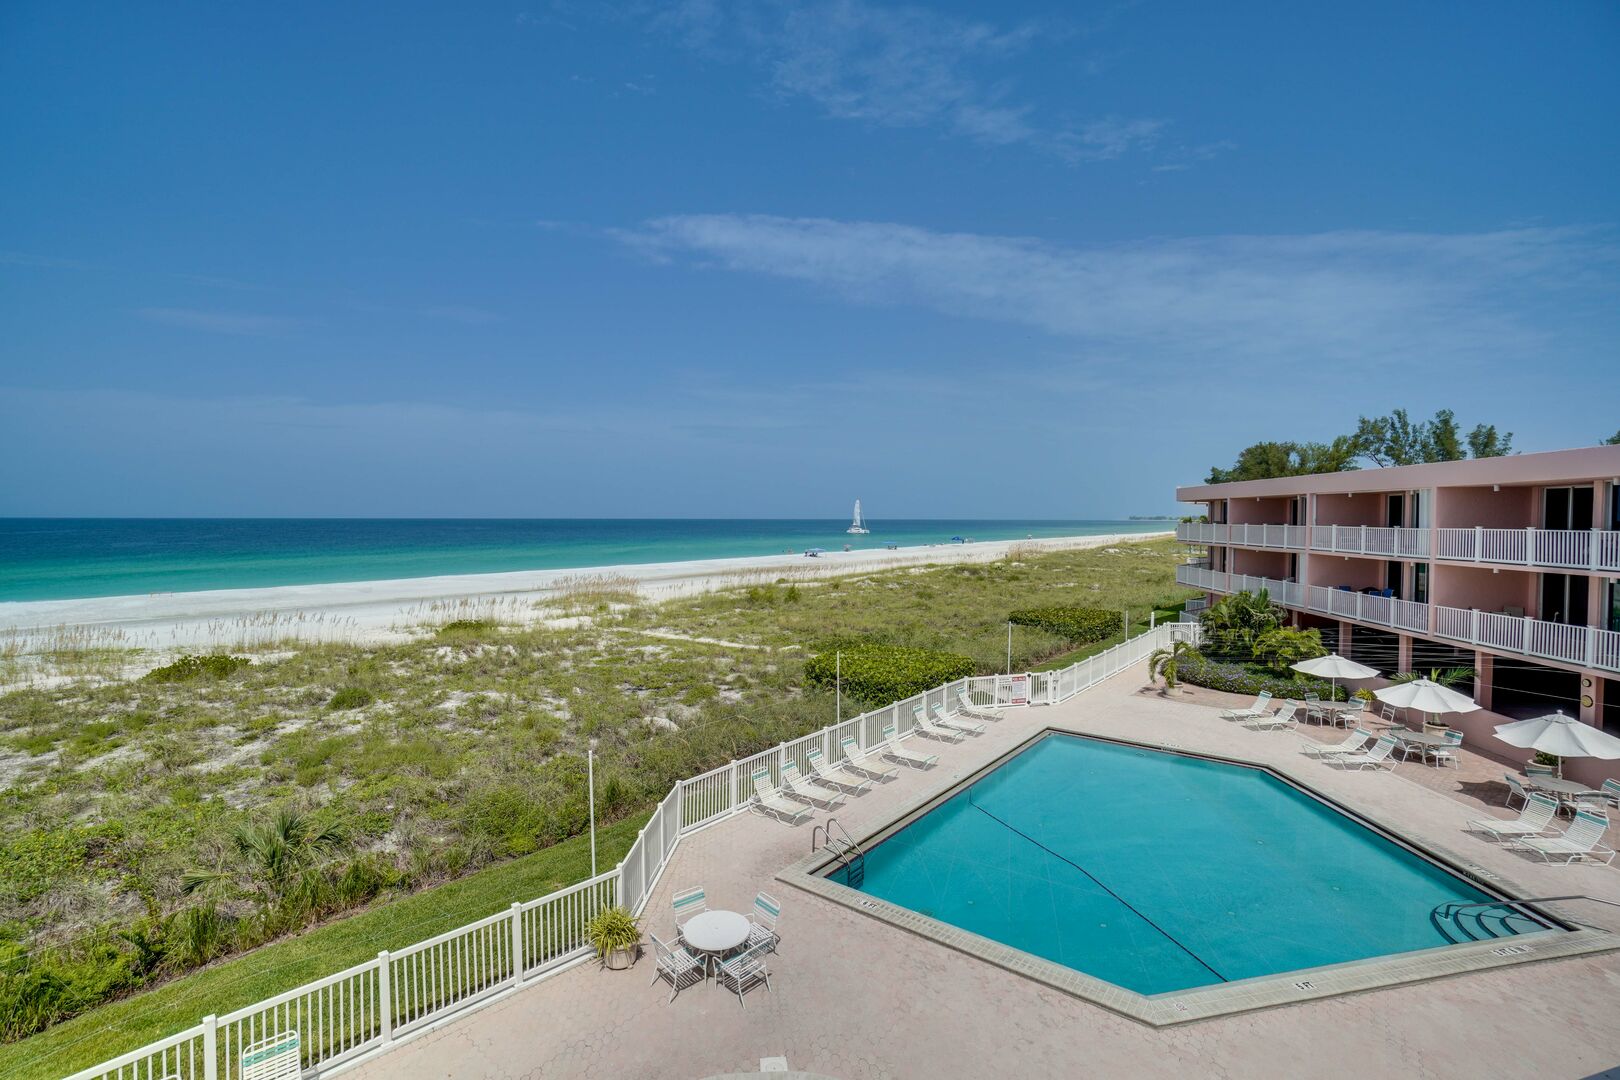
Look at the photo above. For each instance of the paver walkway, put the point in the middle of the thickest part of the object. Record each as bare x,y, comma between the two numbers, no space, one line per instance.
853,998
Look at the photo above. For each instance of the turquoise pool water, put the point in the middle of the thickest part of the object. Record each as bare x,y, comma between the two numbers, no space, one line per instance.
1158,872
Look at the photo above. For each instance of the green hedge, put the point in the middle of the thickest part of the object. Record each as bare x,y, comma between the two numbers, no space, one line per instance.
1080,625
879,674
1200,670
216,666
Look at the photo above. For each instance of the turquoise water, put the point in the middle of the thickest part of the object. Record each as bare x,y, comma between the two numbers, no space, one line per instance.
1158,872
61,558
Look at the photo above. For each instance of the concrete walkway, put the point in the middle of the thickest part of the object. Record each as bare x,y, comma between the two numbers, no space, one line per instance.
852,997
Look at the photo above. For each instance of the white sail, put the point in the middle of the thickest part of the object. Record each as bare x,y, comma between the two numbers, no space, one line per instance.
858,526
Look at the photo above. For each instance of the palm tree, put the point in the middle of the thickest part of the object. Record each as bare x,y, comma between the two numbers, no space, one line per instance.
1167,662
273,856
1236,621
1444,676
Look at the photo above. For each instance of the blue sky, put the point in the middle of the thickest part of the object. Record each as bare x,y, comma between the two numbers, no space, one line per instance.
579,259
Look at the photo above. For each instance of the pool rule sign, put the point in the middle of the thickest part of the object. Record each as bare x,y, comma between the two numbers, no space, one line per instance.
1019,689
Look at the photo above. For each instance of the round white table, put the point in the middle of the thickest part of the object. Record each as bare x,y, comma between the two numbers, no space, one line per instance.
714,932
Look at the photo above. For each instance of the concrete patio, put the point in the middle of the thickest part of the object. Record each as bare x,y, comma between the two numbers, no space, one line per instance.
854,997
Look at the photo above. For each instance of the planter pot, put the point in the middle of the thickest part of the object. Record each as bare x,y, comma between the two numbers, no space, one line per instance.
619,959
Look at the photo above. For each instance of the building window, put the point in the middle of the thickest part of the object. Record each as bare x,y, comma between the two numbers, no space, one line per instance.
1420,582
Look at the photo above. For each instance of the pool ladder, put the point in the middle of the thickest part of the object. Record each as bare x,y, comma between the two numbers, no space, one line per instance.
844,848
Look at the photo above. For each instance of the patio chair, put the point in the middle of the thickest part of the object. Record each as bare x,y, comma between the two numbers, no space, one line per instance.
1313,708
1606,795
770,800
1259,707
687,903
743,970
680,967
1535,819
1284,717
946,720
1582,840
965,706
1532,769
867,761
1376,758
892,750
1388,714
764,922
925,726
794,786
834,776
1354,743
1515,790
1442,754
275,1058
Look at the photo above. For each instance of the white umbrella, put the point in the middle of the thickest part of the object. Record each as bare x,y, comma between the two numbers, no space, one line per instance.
1560,735
1426,696
1335,667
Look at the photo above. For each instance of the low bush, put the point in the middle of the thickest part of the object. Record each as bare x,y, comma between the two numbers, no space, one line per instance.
465,627
1076,624
352,697
188,667
878,674
1239,678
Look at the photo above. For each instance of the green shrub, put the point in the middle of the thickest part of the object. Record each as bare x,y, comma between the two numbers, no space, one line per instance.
1200,670
878,674
352,697
188,667
1077,624
463,627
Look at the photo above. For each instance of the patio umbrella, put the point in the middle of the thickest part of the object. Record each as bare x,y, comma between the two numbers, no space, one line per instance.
1426,696
1560,735
1334,667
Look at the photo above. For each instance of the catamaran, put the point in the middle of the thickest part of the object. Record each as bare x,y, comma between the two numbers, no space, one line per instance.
858,526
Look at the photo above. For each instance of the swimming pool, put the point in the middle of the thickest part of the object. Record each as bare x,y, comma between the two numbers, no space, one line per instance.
1159,872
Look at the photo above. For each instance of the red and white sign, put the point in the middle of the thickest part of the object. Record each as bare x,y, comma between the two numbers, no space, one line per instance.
1019,689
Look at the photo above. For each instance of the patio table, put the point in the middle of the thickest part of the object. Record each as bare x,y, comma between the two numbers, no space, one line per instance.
1561,789
1419,739
1334,711
714,933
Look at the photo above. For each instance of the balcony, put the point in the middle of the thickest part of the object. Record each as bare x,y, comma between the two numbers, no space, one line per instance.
1279,537
1584,646
1389,543
1560,549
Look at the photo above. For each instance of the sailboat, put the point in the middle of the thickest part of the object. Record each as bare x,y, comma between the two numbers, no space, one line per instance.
858,526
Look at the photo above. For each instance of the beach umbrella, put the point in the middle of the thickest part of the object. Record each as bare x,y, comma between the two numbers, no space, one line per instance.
1560,735
1334,667
1426,696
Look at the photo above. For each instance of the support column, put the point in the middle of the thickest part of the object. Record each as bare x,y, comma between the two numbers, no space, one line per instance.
1403,652
1485,677
1346,630
1593,713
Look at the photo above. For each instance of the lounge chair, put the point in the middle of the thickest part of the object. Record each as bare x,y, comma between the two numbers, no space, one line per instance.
771,801
680,967
835,776
763,922
892,750
687,903
743,970
794,786
1535,819
954,723
1354,743
924,726
965,706
867,761
1580,841
1259,707
1284,716
1376,758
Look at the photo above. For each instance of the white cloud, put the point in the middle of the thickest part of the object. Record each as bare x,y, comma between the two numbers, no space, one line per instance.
1356,298
216,322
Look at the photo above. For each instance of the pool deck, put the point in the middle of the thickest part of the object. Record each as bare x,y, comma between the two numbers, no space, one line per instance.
852,996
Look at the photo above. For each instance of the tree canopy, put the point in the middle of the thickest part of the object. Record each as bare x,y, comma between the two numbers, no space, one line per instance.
1381,441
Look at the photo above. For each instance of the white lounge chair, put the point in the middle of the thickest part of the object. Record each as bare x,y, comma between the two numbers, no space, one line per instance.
794,786
1259,707
771,801
1286,715
925,726
1376,758
764,922
275,1058
965,706
1582,840
892,750
1354,743
835,775
866,761
680,967
743,970
1535,819
954,723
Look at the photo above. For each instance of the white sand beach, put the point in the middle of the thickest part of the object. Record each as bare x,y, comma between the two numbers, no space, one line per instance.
384,610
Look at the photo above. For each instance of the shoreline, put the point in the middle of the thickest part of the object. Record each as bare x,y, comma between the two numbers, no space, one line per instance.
380,610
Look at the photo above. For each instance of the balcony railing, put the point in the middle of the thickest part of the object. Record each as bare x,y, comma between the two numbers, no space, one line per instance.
1586,646
1390,543
1279,537
1565,549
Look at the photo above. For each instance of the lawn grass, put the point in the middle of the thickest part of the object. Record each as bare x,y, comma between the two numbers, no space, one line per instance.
1160,616
134,1021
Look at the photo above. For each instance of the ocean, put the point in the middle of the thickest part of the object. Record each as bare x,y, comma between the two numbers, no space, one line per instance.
75,558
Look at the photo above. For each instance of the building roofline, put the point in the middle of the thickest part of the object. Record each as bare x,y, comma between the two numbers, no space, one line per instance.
1550,467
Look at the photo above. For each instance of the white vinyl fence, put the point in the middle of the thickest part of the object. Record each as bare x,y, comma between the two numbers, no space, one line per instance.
385,999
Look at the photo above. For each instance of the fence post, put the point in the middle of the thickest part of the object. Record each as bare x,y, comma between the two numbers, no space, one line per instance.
210,1025
385,997
517,943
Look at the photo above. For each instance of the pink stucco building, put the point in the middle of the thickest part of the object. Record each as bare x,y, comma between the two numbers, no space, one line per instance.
1508,565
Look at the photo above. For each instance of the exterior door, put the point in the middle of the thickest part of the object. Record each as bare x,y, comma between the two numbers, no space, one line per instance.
1563,598
1395,510
1420,582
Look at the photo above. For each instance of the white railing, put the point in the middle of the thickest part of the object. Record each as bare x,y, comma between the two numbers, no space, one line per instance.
1339,603
1283,537
1371,540
1568,549
371,1005
1586,646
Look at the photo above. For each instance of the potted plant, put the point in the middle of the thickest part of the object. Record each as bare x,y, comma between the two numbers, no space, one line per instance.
1366,695
1448,678
615,934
